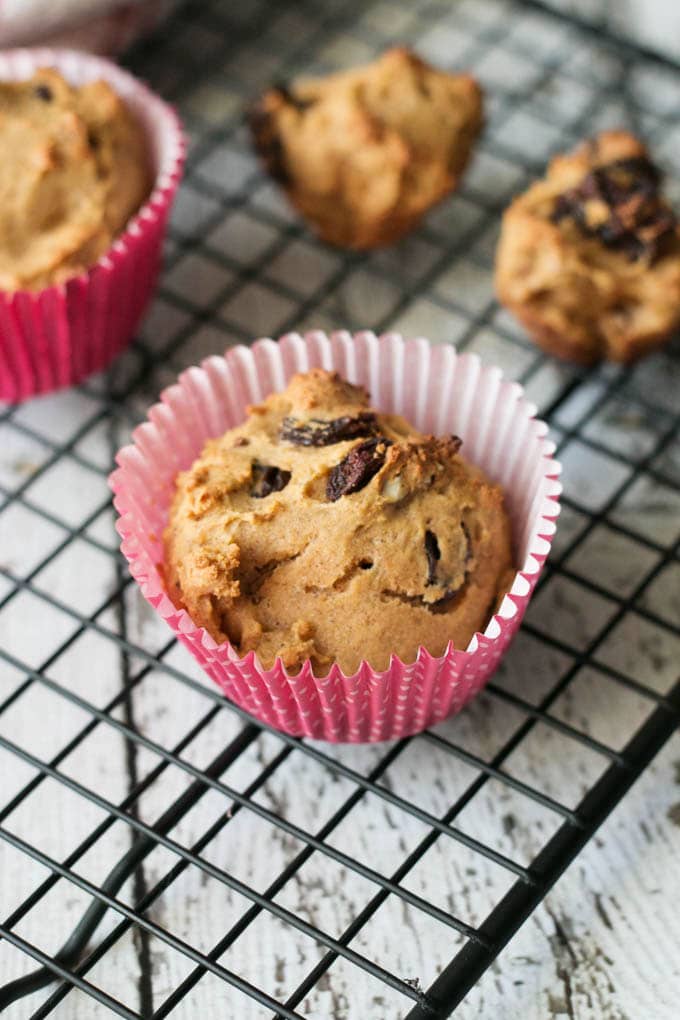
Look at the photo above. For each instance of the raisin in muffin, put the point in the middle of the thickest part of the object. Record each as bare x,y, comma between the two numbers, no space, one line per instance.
321,529
589,257
364,153
74,170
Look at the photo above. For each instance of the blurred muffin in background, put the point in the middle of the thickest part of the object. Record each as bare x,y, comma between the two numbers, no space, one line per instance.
589,256
363,154
91,163
75,169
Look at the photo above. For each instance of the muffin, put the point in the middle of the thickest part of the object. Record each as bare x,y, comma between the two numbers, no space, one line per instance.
75,169
91,164
363,154
321,529
589,257
431,385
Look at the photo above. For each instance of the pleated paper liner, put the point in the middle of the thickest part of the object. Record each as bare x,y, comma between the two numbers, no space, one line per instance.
58,336
438,390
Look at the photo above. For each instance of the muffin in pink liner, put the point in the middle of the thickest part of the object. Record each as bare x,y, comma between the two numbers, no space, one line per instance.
440,392
57,336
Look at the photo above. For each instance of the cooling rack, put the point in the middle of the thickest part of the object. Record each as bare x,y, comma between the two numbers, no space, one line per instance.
189,861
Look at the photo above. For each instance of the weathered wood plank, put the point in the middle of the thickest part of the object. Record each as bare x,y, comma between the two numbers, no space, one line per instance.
42,722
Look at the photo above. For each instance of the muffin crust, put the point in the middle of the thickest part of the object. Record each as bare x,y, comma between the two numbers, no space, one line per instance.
363,154
73,172
322,529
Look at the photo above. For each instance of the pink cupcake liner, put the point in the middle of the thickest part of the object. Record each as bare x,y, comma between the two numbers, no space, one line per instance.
101,26
437,389
57,336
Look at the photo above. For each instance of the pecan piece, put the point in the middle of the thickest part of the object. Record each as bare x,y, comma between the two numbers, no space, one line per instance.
268,479
356,469
620,204
317,432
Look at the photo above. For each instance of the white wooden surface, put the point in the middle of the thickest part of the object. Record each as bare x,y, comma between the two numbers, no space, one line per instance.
603,946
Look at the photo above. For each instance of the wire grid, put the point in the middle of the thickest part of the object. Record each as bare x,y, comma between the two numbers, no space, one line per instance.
99,762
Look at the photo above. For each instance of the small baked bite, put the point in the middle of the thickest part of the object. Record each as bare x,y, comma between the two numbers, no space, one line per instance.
74,170
589,257
363,154
321,529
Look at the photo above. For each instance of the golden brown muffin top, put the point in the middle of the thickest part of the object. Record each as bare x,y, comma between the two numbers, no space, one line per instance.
322,529
74,170
364,152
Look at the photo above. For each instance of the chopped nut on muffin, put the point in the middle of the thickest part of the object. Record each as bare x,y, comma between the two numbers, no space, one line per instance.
321,529
74,170
589,257
363,154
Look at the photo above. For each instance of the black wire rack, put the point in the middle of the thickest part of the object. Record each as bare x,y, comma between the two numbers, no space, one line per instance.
185,846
